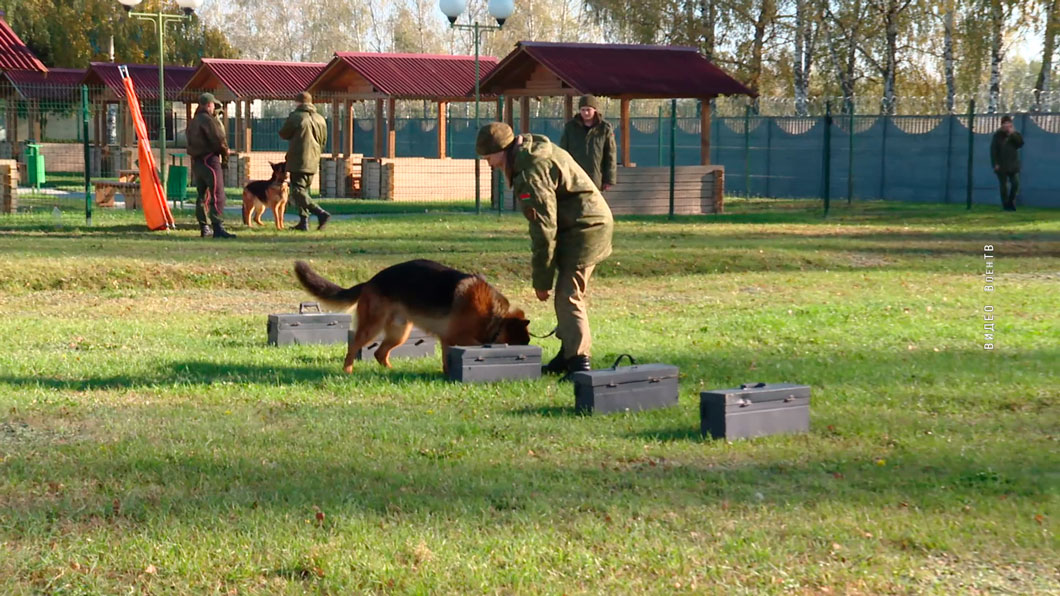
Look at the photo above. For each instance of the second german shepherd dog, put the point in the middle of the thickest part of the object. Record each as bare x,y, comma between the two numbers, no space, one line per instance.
271,193
459,308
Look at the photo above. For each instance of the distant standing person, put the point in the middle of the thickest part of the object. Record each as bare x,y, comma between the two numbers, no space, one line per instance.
1005,157
207,147
306,134
591,142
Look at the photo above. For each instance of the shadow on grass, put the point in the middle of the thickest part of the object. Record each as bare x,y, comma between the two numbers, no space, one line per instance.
393,460
173,478
550,412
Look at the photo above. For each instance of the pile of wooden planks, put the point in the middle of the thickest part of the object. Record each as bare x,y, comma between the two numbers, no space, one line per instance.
412,179
8,185
646,191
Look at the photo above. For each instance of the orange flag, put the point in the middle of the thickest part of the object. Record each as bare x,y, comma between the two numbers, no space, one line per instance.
156,210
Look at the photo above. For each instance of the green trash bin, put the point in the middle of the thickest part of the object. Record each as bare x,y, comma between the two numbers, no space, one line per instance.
34,165
177,183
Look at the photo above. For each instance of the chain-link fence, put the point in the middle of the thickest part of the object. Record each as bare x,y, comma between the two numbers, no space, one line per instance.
764,148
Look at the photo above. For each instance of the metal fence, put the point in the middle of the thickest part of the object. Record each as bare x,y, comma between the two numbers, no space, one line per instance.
940,158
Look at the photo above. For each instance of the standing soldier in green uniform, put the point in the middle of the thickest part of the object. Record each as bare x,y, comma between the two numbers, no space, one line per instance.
570,229
590,140
306,133
207,147
1005,157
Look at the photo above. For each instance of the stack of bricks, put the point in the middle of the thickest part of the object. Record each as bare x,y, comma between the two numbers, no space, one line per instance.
8,185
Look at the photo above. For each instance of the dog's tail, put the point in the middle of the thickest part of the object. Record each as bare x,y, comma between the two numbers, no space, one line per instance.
330,294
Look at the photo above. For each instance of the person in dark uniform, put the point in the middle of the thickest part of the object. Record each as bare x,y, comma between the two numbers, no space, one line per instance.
1005,157
208,147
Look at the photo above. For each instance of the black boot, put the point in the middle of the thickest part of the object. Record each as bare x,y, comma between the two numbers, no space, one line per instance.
556,366
578,364
574,365
220,232
322,218
303,223
204,231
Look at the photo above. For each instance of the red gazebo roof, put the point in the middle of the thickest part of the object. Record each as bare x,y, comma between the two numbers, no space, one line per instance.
252,79
404,76
58,84
14,55
144,76
622,71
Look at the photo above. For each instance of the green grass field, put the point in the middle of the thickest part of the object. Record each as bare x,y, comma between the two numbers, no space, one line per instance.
151,442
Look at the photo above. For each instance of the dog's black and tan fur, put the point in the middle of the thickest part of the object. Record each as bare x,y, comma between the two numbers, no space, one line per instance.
459,308
271,193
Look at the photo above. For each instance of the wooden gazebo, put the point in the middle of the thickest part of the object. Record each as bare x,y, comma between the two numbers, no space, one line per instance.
624,72
105,87
243,82
361,76
38,91
15,57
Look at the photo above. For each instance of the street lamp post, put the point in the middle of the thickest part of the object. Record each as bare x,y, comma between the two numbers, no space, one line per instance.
499,10
160,19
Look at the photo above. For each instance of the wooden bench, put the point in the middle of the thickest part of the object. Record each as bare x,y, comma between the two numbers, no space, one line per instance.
128,175
106,189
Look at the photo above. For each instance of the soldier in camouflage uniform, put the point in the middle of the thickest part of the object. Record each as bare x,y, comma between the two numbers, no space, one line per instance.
570,229
591,142
306,133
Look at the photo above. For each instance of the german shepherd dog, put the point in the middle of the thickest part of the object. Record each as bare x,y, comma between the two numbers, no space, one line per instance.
459,308
271,193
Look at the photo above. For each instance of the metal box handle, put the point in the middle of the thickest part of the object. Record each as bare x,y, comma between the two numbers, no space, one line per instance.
752,385
303,306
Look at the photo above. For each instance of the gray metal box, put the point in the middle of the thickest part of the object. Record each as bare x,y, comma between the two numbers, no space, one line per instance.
625,388
493,362
309,327
419,345
755,410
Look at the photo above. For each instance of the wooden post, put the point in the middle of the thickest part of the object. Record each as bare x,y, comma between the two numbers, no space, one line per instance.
348,150
336,128
12,126
378,145
442,106
391,133
704,132
34,121
509,110
96,124
524,114
568,107
248,129
187,120
239,125
625,133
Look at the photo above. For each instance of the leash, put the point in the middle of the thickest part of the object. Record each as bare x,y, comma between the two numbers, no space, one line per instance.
547,335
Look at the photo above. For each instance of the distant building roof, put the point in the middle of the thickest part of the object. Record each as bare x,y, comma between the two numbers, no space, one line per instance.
144,76
622,71
58,84
402,76
252,79
14,55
